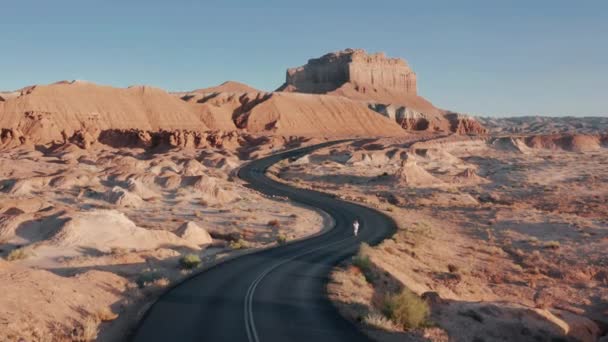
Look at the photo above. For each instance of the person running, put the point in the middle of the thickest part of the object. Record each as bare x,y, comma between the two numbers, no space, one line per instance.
356,227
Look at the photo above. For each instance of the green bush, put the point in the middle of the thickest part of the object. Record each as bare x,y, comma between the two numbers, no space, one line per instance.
238,244
363,263
281,238
406,309
190,261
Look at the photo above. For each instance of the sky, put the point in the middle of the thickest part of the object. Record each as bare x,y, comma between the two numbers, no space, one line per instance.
494,58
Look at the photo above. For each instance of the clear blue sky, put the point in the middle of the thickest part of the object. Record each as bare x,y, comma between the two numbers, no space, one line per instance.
547,57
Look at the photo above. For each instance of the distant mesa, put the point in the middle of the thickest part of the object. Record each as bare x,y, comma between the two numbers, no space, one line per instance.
387,85
368,72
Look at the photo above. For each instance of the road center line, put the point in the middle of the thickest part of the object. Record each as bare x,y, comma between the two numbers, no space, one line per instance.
252,334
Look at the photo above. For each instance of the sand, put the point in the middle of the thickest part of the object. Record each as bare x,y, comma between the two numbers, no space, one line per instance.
507,237
92,235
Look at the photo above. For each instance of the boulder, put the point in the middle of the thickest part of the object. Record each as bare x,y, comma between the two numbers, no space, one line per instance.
193,233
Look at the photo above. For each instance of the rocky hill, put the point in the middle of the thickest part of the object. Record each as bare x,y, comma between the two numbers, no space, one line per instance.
46,113
546,125
83,113
228,87
386,85
333,70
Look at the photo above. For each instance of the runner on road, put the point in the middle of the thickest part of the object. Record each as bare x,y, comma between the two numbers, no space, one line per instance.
356,227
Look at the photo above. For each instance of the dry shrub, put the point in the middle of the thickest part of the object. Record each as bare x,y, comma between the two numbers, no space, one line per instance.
119,251
190,261
363,262
379,321
87,331
147,277
406,309
281,238
162,282
452,268
105,314
17,254
551,244
274,223
238,244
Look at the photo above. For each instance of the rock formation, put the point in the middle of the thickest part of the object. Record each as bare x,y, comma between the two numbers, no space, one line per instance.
346,91
386,85
413,175
50,113
469,176
463,124
546,125
193,233
329,72
564,142
567,142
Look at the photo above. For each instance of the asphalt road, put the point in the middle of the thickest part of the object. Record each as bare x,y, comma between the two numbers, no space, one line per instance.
276,294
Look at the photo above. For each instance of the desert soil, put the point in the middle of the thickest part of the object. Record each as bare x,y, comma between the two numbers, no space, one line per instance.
89,237
504,241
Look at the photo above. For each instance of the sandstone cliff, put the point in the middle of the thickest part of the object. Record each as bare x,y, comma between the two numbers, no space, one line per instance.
332,70
386,85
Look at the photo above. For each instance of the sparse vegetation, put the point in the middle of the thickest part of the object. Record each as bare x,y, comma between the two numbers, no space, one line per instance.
551,244
119,251
87,331
281,238
238,244
533,241
148,277
379,321
17,254
363,262
406,309
161,282
452,268
190,261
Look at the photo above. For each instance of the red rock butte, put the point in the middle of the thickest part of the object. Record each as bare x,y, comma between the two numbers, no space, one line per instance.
355,66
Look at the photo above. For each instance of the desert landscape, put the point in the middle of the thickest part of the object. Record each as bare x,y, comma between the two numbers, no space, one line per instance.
504,240
111,196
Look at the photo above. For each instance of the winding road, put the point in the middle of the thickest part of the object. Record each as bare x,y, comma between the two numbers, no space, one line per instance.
276,294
